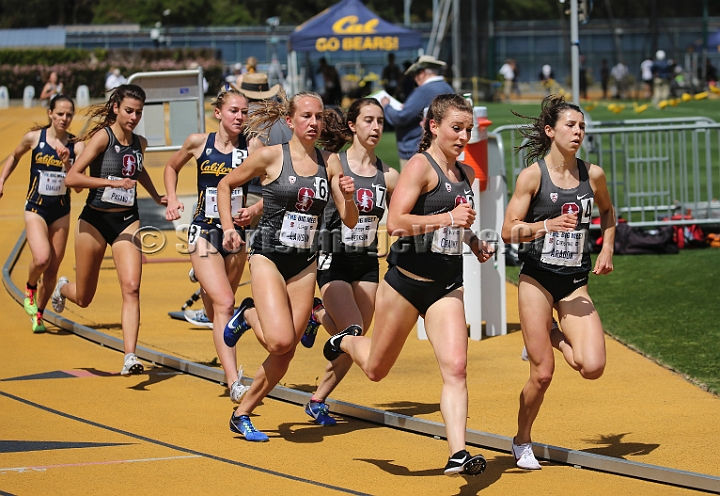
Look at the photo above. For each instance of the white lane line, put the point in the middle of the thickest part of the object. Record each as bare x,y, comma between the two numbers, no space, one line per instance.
42,468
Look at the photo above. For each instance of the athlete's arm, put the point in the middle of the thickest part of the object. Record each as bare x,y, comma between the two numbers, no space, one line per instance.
76,177
416,178
342,188
146,181
391,179
192,147
26,143
79,148
603,264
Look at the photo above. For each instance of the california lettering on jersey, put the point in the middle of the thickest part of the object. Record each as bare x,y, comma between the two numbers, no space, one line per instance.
214,168
46,159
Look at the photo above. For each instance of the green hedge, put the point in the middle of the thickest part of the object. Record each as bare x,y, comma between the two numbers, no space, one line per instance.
21,68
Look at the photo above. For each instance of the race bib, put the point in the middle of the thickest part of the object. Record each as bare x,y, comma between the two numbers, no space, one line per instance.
563,248
448,241
211,209
363,234
52,183
298,230
119,196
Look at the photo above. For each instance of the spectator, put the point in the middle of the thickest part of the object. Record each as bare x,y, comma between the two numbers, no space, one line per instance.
620,73
51,88
516,79
332,92
113,80
236,77
251,65
427,74
391,76
547,77
646,74
710,72
507,71
408,82
661,78
604,77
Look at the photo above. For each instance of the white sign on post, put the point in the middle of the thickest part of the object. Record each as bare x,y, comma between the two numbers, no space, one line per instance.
28,96
4,97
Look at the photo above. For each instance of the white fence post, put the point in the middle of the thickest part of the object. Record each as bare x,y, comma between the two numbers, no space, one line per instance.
82,96
4,97
28,96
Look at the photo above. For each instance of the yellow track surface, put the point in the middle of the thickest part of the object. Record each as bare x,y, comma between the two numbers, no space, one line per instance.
69,424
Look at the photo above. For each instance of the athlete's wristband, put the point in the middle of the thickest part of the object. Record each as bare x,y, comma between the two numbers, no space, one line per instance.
545,226
452,220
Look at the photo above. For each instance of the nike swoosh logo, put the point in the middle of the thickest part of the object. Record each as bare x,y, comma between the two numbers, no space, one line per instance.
128,217
468,192
233,321
575,281
581,197
448,287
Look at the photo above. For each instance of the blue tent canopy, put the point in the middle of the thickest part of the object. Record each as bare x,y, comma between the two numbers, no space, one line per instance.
714,40
349,26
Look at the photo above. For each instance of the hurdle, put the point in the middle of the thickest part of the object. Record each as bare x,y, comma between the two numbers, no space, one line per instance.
578,459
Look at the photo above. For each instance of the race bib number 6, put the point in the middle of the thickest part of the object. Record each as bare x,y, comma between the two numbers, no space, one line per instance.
298,230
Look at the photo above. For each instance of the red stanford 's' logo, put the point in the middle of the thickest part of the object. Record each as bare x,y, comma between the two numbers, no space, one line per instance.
129,165
460,199
570,208
305,199
365,202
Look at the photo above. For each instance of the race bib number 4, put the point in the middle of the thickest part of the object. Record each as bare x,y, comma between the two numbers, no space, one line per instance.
211,208
563,248
363,234
52,183
119,196
448,241
298,230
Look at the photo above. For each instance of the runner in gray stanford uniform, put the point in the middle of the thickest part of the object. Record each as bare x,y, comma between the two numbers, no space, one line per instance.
348,268
549,213
110,217
424,276
296,187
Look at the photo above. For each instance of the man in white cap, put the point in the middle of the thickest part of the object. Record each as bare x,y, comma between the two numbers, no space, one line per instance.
427,72
661,78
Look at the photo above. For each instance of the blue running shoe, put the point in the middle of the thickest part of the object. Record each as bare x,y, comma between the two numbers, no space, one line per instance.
320,412
308,339
237,325
332,348
243,425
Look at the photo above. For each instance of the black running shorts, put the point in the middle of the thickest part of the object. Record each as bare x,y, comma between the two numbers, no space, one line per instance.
420,294
558,285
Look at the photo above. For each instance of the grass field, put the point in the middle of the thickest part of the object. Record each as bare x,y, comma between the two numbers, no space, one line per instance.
665,306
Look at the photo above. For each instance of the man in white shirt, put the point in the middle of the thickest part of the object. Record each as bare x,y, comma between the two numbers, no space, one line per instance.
507,71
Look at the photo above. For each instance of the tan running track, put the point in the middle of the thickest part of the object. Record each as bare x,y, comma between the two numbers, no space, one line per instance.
69,424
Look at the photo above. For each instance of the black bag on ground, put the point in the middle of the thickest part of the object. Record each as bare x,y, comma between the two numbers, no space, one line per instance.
636,241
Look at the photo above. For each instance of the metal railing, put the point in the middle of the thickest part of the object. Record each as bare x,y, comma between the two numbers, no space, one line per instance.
655,168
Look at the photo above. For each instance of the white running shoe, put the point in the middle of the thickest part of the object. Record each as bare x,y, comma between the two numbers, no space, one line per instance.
198,318
58,300
132,365
238,389
524,456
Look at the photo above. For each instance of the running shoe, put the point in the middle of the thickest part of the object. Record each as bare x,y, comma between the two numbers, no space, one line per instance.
58,300
243,425
308,338
38,325
332,348
320,412
524,456
237,325
132,365
198,318
30,301
238,389
461,463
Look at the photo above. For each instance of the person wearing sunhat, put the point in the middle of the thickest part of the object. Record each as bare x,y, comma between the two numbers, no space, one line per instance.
427,72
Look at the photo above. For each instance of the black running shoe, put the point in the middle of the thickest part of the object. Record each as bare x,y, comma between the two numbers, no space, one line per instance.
461,463
332,346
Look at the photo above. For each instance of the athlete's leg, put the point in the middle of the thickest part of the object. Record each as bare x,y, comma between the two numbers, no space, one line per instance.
447,331
89,252
211,272
584,335
394,319
355,306
128,263
58,235
38,239
282,311
535,308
